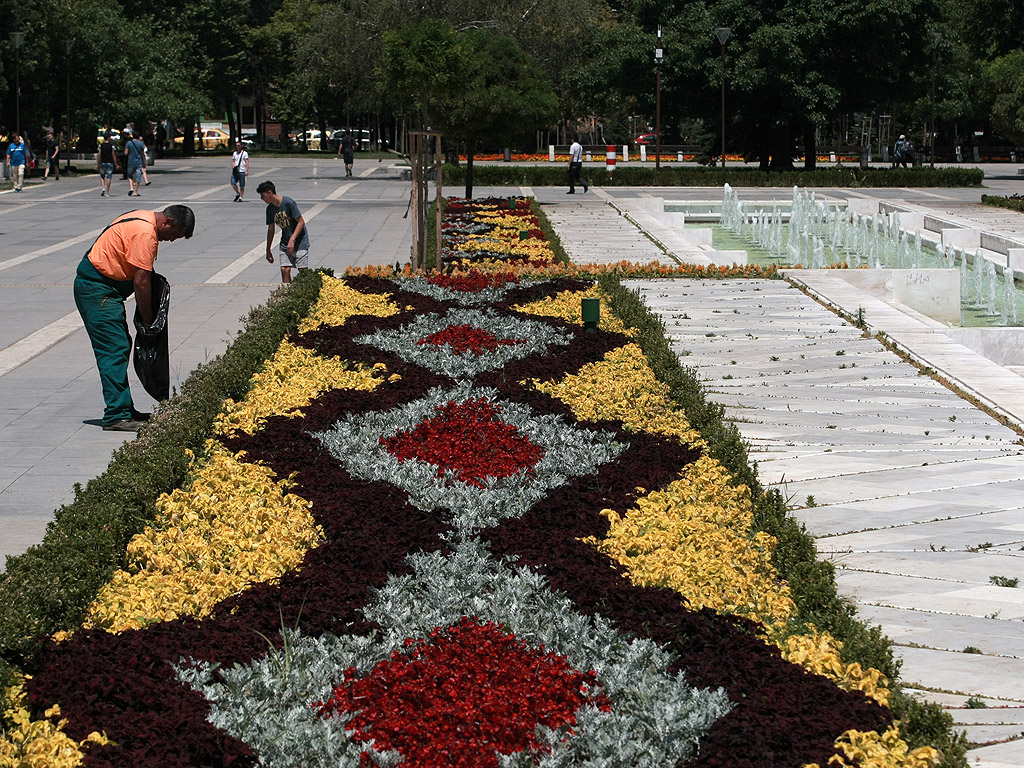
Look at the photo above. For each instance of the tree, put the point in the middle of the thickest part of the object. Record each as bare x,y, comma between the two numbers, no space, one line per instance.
502,96
423,61
1005,76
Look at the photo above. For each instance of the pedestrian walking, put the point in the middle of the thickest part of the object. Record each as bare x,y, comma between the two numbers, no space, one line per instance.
135,157
294,245
106,164
52,157
239,170
16,161
899,152
120,263
576,167
347,147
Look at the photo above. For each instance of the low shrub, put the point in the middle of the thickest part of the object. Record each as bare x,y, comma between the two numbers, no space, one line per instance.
1013,202
555,174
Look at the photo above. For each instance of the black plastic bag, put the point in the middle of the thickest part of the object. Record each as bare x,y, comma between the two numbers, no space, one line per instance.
151,358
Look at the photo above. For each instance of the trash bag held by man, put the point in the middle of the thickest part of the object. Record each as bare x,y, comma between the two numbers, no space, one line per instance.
151,358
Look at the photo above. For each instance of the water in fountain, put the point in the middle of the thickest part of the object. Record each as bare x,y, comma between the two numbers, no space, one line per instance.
979,277
964,282
990,287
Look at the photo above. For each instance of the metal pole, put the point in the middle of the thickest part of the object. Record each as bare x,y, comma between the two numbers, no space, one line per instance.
17,38
931,138
935,36
723,33
658,51
723,106
67,125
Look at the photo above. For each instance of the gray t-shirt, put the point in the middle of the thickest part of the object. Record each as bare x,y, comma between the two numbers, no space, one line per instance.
286,216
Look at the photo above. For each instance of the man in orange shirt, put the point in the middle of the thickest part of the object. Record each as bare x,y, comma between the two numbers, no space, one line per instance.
117,265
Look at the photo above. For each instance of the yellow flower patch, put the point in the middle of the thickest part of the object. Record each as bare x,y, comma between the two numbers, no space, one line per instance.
233,526
29,743
291,379
622,387
868,749
566,306
338,302
819,653
694,537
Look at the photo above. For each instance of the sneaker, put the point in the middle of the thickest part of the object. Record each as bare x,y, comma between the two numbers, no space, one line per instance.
571,192
585,189
148,183
130,193
123,425
103,193
137,194
237,198
140,415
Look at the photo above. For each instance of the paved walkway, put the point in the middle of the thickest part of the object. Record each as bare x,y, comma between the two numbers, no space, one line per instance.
912,492
50,402
915,491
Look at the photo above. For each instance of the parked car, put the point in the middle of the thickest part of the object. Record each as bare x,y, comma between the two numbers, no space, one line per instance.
647,138
249,140
208,138
362,137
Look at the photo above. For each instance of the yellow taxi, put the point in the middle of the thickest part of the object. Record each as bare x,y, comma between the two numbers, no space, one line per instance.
209,138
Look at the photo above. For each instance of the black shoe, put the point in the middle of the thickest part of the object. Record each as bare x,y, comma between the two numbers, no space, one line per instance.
140,415
123,425
571,192
237,198
585,189
148,183
130,193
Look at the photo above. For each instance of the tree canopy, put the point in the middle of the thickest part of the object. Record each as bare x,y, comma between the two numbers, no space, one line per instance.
795,74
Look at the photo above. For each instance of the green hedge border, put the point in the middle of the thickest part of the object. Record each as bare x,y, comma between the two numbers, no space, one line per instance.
1014,203
555,175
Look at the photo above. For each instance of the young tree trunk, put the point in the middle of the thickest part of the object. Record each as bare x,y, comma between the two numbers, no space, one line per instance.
469,170
810,146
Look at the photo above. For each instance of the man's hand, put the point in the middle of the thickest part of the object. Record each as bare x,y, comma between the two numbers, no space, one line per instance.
144,295
270,257
291,249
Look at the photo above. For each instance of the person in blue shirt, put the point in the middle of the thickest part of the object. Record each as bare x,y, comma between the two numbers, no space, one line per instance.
17,160
294,244
135,156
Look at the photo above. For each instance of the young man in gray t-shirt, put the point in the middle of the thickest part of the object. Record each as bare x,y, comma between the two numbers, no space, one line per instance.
284,213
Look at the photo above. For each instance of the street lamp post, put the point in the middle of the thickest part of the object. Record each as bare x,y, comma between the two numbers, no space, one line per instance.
68,45
659,55
723,33
935,37
17,38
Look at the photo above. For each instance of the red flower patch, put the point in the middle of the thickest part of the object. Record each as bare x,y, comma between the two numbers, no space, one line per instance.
470,692
467,338
469,439
474,282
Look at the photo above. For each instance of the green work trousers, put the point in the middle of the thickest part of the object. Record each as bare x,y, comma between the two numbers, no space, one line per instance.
100,301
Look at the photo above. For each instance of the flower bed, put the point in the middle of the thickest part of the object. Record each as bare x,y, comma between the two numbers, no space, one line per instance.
447,526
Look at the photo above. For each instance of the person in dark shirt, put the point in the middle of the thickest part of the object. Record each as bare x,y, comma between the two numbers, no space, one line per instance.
52,157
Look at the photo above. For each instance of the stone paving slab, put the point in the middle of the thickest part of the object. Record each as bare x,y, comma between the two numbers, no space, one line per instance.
894,486
966,673
946,632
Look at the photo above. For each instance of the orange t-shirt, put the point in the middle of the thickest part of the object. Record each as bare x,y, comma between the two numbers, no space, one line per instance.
125,248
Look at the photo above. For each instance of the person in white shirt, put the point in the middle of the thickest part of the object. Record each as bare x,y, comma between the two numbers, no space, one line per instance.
239,169
576,167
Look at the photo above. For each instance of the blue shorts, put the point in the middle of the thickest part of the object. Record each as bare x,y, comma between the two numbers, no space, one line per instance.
237,177
135,173
106,170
